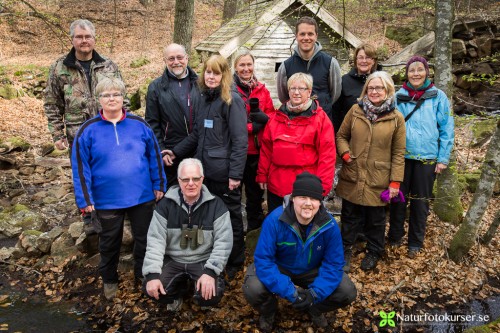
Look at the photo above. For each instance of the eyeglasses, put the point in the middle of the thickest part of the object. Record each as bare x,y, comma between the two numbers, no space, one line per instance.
86,37
179,58
360,58
108,96
300,90
192,179
375,89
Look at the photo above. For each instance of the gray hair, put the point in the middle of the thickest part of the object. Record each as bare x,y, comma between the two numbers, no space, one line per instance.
190,161
82,24
110,84
306,78
387,82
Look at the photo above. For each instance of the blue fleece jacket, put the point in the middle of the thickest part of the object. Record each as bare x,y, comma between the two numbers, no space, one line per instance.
116,166
430,130
280,245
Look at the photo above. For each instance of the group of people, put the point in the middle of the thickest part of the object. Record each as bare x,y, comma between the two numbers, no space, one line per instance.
178,173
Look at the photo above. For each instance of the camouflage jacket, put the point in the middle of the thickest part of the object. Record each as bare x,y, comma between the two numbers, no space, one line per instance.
68,99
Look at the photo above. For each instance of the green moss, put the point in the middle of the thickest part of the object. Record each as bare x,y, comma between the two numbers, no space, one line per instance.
488,328
139,62
482,130
32,232
18,208
404,35
19,143
8,91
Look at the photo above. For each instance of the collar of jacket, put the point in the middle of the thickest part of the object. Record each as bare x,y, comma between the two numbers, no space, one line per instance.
307,113
70,60
173,194
403,98
320,219
358,112
317,48
166,77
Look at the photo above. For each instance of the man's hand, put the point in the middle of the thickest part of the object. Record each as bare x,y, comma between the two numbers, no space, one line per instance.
61,144
158,195
440,167
89,209
206,286
152,288
304,299
168,157
233,184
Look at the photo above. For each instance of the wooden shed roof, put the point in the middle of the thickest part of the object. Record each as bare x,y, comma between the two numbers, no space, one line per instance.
255,19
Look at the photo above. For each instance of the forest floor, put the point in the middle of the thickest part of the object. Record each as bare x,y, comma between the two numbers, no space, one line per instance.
430,283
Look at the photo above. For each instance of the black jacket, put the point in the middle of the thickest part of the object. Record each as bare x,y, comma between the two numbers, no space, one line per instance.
220,135
165,113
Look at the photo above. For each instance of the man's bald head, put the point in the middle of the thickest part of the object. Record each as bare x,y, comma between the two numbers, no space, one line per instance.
176,59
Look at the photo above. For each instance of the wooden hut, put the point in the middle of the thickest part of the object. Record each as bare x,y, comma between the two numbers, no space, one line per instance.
267,27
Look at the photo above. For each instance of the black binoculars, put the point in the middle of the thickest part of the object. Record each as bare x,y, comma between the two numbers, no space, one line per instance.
254,104
194,234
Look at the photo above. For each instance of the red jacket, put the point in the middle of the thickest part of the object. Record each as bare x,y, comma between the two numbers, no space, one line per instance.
291,146
265,104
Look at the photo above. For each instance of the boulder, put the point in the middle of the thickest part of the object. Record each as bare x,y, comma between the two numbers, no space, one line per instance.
483,47
17,218
28,241
482,68
6,253
459,50
75,230
63,248
482,131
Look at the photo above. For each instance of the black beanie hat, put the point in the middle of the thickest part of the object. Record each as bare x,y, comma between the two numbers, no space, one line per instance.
308,185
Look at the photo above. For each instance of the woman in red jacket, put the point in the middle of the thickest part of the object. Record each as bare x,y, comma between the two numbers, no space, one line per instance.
259,105
298,137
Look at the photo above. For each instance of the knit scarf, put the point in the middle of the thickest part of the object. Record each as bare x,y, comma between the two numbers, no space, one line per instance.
415,94
373,112
298,108
249,85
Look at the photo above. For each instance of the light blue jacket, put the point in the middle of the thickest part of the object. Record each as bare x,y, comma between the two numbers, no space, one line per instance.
430,130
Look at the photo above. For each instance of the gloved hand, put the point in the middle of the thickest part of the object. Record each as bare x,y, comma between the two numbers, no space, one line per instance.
258,117
257,127
304,300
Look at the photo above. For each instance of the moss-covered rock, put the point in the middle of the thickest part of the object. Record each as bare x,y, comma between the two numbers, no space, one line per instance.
482,130
404,35
8,91
17,218
139,62
447,205
488,328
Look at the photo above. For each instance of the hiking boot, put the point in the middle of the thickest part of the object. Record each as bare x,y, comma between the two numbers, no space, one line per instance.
231,271
413,252
175,306
347,258
266,322
319,320
395,244
110,290
369,262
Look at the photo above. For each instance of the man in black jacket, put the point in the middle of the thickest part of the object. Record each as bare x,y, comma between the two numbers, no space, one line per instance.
169,104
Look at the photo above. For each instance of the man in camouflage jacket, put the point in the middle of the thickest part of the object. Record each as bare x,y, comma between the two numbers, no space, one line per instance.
69,97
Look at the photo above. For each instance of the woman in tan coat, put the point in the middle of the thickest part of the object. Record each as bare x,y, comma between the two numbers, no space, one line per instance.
371,142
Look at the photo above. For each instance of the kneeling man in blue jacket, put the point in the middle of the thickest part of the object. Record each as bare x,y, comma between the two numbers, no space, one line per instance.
299,257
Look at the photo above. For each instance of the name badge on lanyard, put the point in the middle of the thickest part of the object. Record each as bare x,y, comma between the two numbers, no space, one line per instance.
209,123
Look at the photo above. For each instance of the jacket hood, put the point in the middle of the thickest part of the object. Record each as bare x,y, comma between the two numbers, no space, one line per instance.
317,48
70,60
166,77
320,219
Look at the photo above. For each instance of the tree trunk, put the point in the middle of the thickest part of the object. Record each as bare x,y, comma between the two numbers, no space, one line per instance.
184,20
230,9
488,236
466,236
447,205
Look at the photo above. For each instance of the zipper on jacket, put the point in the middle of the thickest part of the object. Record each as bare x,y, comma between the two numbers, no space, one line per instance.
166,131
116,135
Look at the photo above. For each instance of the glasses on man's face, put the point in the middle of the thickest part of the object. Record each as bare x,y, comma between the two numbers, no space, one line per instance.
83,37
297,89
109,96
192,179
375,89
179,58
361,58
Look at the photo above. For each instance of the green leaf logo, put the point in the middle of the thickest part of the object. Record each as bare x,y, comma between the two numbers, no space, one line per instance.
387,319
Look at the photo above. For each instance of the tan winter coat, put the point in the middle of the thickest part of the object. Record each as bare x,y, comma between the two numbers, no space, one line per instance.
377,151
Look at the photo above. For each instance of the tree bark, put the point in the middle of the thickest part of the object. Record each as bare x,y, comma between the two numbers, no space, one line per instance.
488,236
447,205
184,21
230,10
466,235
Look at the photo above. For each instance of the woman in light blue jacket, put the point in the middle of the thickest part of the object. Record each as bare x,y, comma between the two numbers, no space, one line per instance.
429,141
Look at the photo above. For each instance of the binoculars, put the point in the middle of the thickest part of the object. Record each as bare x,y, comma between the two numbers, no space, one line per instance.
194,234
254,104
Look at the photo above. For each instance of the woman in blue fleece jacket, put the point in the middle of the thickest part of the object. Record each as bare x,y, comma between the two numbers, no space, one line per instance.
117,170
299,257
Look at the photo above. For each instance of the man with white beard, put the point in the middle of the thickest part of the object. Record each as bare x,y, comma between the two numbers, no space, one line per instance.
169,104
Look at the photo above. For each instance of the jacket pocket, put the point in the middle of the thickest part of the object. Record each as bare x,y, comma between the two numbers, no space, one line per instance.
349,172
288,152
379,175
217,164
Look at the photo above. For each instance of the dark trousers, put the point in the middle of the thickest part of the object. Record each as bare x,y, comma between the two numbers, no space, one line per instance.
265,302
171,173
273,201
253,194
232,199
175,277
354,217
110,239
417,188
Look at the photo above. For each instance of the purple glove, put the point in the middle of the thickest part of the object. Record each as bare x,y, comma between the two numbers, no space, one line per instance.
384,196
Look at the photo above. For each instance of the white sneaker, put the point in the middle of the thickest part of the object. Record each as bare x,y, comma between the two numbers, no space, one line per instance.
175,306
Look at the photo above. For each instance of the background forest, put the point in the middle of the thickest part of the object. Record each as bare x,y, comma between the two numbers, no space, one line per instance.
36,188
